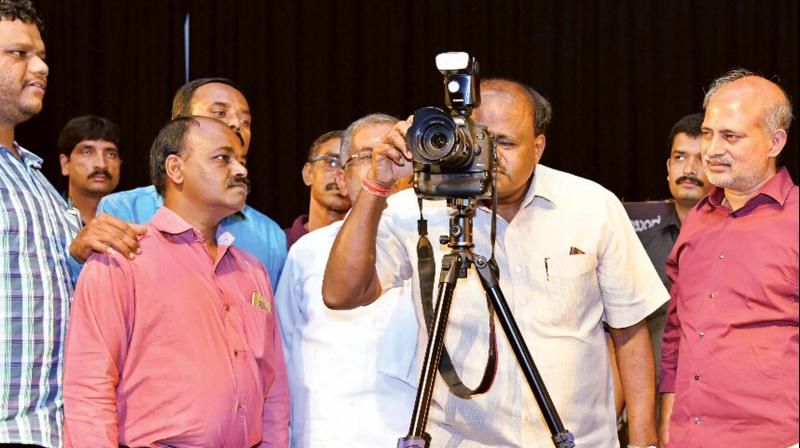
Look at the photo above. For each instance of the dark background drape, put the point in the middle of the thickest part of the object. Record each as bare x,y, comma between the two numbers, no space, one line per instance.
619,73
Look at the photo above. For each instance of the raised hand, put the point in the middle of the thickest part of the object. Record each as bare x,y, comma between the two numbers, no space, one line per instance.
391,159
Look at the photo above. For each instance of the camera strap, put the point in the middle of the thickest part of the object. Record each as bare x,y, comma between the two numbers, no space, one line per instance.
427,267
492,262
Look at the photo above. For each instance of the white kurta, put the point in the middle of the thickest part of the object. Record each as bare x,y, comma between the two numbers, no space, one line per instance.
349,371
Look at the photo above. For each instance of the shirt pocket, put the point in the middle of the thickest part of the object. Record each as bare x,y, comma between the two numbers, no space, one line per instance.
570,281
260,326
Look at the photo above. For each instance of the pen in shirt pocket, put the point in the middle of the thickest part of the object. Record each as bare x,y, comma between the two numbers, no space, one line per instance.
547,268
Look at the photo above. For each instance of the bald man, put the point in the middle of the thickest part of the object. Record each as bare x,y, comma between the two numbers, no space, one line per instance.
568,260
729,367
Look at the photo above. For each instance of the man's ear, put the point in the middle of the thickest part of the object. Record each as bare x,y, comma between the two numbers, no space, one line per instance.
539,144
307,168
777,142
64,161
173,165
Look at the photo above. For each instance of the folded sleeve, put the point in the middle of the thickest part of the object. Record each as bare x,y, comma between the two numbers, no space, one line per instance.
631,288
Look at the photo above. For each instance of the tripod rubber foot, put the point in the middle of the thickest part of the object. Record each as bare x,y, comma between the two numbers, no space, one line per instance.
564,440
413,442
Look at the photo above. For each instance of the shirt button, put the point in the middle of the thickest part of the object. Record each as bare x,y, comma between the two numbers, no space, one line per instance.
518,269
702,335
239,407
697,420
722,255
226,307
711,295
236,353
697,377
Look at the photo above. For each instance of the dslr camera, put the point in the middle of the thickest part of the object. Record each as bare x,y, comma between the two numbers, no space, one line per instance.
453,156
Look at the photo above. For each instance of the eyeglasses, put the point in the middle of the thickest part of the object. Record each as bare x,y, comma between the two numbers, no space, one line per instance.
331,162
358,158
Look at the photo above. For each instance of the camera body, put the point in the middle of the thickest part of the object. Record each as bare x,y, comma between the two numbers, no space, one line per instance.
453,156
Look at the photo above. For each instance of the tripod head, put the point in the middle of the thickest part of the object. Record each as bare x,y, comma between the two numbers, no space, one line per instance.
460,235
459,238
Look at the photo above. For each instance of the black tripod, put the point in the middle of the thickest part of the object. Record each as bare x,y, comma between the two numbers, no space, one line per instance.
455,265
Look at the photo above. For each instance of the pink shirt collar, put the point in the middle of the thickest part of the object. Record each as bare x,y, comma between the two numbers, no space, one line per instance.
167,221
170,223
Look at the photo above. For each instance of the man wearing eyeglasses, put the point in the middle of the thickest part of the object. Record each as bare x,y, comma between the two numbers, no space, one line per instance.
349,371
328,203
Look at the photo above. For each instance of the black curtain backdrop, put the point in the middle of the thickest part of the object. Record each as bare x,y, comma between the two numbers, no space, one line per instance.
619,73
122,60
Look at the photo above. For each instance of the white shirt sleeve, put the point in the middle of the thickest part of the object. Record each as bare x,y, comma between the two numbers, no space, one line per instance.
630,286
288,297
392,259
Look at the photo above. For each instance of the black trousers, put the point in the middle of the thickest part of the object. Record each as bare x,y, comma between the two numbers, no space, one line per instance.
18,445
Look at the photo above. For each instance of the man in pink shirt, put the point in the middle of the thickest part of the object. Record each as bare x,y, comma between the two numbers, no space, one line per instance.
729,366
179,346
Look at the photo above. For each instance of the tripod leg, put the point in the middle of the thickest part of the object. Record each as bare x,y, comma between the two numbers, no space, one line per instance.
417,438
561,437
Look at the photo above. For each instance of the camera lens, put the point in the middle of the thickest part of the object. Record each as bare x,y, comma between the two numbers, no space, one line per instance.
435,139
439,140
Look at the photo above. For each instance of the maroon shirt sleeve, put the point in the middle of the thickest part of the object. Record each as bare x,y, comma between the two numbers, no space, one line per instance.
670,342
672,332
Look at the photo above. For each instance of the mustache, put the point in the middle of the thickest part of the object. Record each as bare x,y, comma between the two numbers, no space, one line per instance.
695,180
331,186
42,81
100,172
239,181
719,159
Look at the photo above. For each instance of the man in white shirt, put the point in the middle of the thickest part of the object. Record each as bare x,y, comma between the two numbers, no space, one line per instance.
568,261
350,372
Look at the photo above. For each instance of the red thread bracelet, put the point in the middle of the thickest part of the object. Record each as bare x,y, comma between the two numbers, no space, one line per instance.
375,190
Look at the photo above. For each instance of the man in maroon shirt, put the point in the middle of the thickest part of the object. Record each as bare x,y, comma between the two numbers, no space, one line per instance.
327,204
729,368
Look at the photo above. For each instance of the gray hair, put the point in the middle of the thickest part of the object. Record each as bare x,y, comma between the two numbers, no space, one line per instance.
361,123
778,116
